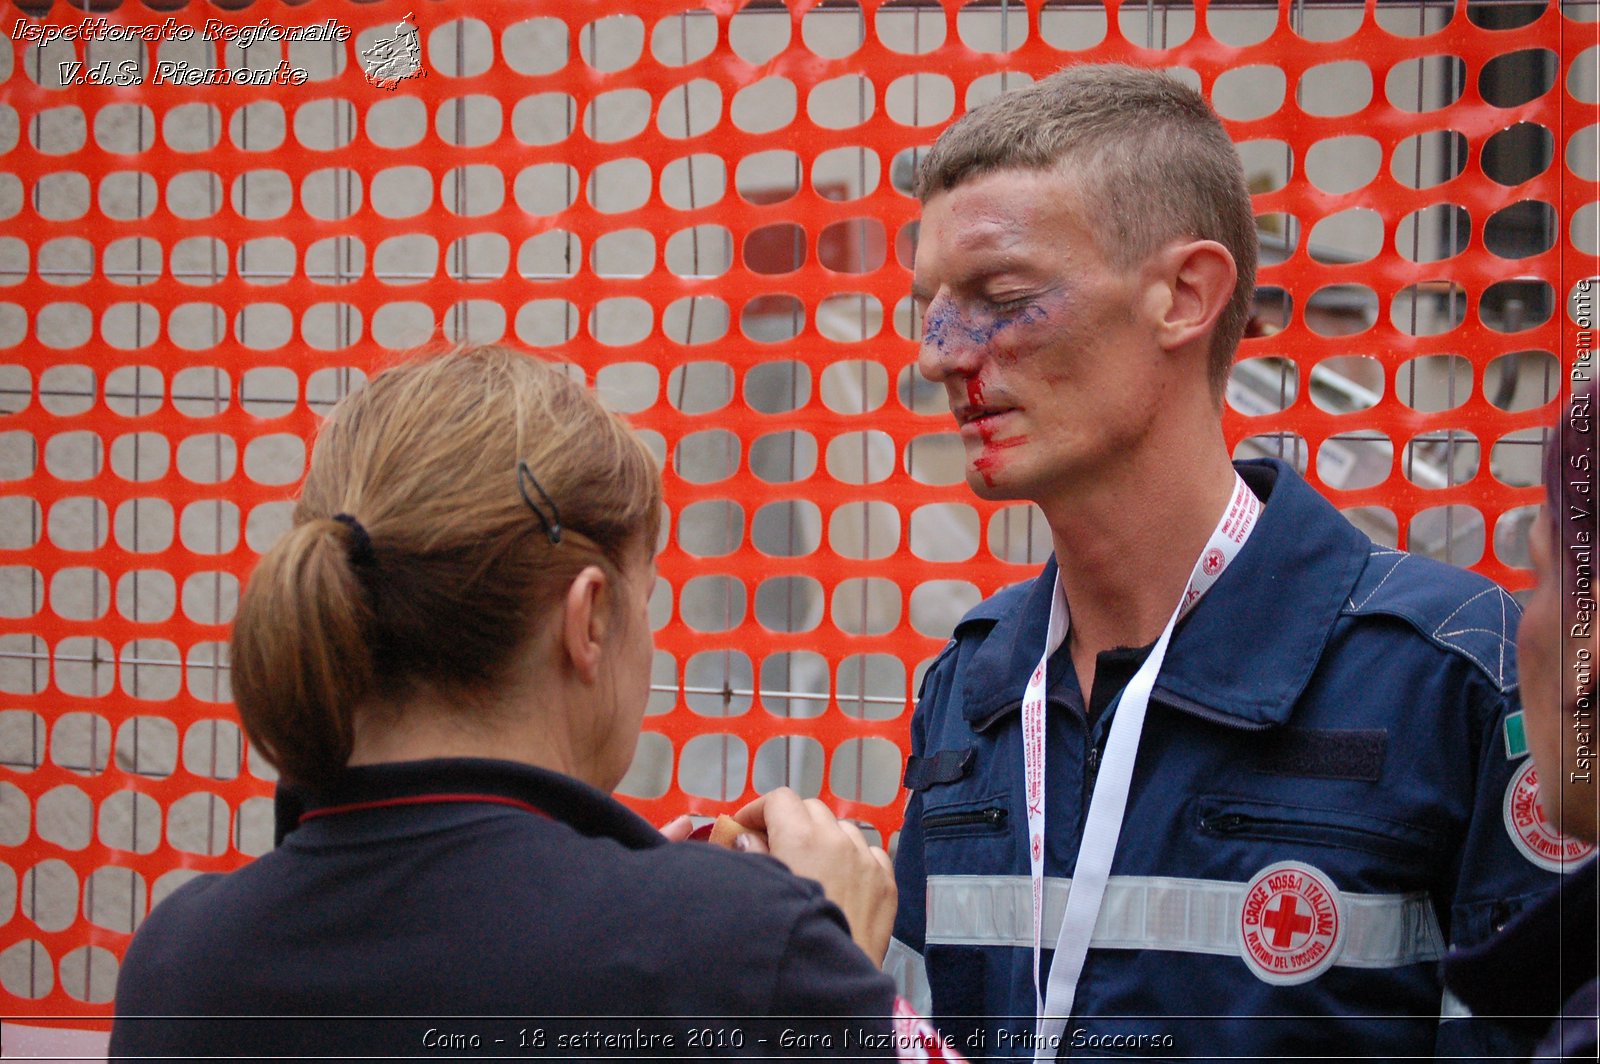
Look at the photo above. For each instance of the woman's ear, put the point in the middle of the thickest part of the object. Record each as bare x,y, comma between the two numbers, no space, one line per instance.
583,622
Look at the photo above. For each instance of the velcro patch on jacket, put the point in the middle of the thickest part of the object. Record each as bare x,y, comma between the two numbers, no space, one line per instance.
1323,753
943,766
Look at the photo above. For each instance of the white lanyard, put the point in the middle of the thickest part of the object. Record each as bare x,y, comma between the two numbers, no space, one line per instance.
1110,797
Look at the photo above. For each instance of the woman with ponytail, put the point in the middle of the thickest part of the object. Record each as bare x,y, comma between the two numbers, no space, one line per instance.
447,658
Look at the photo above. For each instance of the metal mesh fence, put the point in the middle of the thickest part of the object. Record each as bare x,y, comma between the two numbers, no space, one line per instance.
704,210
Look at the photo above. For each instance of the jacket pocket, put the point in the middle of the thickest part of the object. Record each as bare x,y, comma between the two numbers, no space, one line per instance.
1222,816
977,817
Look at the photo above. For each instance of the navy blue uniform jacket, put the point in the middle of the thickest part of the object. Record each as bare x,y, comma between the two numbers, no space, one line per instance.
1332,704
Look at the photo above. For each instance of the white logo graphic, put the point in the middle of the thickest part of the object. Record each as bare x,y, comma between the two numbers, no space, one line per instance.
1532,831
1292,925
394,59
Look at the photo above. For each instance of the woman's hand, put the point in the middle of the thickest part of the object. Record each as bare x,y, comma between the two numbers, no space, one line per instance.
805,835
678,828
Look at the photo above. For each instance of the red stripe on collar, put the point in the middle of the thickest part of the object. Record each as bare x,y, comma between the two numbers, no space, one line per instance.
420,799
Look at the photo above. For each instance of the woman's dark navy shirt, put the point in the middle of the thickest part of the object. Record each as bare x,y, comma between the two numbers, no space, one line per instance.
479,907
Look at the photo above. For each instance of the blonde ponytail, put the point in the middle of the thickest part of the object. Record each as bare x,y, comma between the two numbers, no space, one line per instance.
302,658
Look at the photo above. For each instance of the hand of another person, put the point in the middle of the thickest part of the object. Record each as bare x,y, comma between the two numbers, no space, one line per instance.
805,835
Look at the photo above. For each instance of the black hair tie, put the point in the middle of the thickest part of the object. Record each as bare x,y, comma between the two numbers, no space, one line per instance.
360,543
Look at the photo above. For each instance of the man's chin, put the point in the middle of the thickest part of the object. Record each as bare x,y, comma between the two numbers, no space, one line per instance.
990,483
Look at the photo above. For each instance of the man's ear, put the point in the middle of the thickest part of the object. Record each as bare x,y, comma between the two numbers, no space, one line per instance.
583,622
1194,281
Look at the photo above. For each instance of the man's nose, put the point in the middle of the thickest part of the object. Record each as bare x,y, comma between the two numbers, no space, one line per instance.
948,348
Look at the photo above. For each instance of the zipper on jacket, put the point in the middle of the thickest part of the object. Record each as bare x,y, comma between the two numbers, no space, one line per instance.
1235,823
992,817
1226,823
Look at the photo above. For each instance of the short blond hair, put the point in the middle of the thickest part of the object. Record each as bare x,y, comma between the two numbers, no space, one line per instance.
1150,157
449,570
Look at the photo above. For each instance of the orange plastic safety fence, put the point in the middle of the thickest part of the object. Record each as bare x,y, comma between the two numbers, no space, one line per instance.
704,209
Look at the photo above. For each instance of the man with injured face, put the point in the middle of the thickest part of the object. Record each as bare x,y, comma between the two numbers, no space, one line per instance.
1227,779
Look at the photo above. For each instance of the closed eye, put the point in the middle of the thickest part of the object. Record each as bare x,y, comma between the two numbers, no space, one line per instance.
1011,306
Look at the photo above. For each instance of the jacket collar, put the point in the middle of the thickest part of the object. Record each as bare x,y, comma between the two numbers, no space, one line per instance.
1245,653
400,791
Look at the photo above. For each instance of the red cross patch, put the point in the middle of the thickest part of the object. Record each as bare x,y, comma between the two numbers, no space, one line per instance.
1211,564
1535,836
1291,925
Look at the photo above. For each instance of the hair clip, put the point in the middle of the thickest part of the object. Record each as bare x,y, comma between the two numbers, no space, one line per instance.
552,524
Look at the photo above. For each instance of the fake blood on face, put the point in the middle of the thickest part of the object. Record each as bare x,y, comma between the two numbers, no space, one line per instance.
989,461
